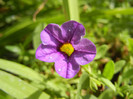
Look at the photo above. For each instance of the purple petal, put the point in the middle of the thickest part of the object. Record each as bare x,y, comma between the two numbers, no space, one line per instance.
47,53
85,45
67,68
72,31
83,58
55,31
48,35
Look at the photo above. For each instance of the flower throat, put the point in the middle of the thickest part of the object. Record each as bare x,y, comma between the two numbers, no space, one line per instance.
67,48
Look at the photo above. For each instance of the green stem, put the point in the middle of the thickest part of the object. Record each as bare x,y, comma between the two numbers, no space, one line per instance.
66,9
71,10
87,70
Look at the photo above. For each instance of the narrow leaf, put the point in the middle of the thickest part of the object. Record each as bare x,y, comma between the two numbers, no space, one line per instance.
128,74
20,25
13,48
127,88
20,70
107,83
130,45
119,65
124,11
17,87
108,71
89,97
36,35
83,83
107,94
101,51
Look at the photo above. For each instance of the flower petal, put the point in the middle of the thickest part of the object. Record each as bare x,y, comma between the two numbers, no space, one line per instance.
72,31
47,53
85,45
48,35
55,31
67,68
83,58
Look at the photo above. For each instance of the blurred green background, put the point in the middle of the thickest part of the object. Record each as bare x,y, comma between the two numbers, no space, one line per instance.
108,23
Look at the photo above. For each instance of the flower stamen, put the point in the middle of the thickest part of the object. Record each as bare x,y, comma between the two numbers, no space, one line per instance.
67,48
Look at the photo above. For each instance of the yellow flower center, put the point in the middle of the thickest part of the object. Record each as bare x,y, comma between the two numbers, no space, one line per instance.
67,48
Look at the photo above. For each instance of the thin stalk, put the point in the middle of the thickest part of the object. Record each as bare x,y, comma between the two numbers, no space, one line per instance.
71,10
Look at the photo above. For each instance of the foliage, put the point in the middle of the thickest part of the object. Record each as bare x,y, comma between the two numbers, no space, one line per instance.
108,24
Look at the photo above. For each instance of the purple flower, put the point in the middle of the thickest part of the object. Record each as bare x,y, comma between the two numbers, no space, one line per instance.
64,46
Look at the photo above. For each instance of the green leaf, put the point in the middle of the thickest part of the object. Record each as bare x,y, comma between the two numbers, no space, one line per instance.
130,45
128,74
24,23
127,88
101,51
89,97
18,88
13,48
119,65
108,71
56,86
107,83
94,83
109,12
27,22
124,11
20,70
4,95
107,94
84,82
25,27
92,97
36,35
119,81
